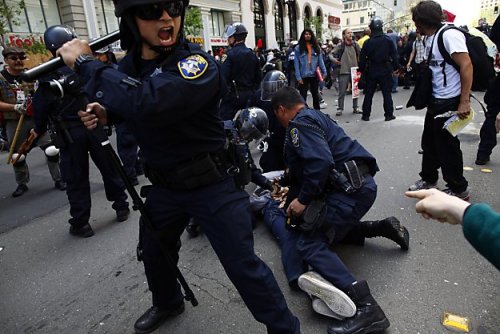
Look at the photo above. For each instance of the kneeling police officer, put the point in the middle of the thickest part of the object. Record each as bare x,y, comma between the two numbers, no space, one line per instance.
168,91
331,189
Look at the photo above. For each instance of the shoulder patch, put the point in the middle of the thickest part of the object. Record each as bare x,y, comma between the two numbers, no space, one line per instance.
294,134
192,67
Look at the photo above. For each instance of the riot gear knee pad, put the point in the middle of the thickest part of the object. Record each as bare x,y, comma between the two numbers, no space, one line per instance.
52,153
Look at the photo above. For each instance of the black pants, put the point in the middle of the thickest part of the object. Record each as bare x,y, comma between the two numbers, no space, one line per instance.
441,149
488,133
311,84
385,82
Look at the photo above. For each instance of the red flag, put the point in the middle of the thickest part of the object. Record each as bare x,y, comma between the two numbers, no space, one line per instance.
259,43
450,17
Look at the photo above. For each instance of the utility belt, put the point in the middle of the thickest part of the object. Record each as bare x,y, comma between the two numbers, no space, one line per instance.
200,171
350,178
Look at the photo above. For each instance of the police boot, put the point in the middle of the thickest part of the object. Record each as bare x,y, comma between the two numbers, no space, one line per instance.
155,316
389,228
192,228
369,316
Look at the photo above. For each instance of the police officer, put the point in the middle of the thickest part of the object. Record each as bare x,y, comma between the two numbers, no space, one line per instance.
272,146
241,70
74,140
15,99
378,60
169,93
321,157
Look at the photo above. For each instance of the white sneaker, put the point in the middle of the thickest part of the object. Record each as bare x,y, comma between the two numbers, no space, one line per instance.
320,307
336,300
323,105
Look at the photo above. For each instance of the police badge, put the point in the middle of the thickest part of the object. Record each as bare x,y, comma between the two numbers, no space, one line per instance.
192,67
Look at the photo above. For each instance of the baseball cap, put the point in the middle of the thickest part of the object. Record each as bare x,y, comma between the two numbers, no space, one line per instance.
8,50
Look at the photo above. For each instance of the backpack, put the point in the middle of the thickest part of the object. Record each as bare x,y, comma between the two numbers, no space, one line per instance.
482,63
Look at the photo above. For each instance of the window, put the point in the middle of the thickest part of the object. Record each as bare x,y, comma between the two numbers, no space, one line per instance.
217,23
36,17
258,14
361,20
278,22
348,21
395,2
346,6
106,19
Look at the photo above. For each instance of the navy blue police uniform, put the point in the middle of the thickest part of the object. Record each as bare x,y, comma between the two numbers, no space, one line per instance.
315,145
378,59
272,146
173,113
242,73
75,150
127,148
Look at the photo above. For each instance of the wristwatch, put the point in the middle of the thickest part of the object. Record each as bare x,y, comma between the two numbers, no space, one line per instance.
82,59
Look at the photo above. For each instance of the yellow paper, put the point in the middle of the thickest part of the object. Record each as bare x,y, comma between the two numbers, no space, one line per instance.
455,322
454,124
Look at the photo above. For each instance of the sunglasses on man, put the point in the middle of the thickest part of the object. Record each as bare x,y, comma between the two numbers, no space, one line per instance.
16,58
154,11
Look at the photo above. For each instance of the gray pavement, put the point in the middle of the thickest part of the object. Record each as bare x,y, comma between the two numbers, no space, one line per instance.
51,282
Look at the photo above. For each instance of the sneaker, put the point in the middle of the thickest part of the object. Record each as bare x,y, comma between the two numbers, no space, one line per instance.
61,185
389,118
320,307
357,111
83,231
421,184
482,160
464,195
20,190
323,105
313,284
339,112
122,214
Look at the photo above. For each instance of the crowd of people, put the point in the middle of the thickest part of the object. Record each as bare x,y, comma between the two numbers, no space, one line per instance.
198,161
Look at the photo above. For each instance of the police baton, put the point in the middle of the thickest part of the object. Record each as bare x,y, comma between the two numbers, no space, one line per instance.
54,64
138,204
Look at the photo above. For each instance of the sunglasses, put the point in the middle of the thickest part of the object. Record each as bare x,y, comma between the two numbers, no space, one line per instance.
154,11
16,58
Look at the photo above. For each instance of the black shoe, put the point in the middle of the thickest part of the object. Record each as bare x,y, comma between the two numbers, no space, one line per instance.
133,181
406,87
193,229
389,228
154,317
389,118
122,215
61,185
482,160
83,231
369,316
21,189
365,118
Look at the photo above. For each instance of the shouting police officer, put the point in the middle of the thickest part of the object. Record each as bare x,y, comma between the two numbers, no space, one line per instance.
75,142
241,70
169,94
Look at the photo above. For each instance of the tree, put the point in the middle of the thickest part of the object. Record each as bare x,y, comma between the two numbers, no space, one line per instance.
10,12
314,22
192,21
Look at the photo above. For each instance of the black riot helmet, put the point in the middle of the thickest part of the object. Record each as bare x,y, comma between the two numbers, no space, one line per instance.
272,82
129,33
376,24
238,30
55,36
252,123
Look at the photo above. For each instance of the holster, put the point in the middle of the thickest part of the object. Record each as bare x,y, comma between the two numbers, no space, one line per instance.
351,177
312,219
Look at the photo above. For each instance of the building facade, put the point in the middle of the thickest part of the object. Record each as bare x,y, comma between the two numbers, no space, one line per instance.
274,22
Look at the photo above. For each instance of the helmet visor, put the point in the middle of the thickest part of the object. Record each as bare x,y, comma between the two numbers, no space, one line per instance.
229,31
268,88
250,132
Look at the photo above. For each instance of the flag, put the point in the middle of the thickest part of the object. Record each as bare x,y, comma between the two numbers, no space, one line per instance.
449,17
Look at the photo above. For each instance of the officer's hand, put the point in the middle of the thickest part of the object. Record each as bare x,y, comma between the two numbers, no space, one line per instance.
463,109
295,208
93,114
72,49
435,204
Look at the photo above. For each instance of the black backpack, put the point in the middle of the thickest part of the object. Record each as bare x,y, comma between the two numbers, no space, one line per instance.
482,63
